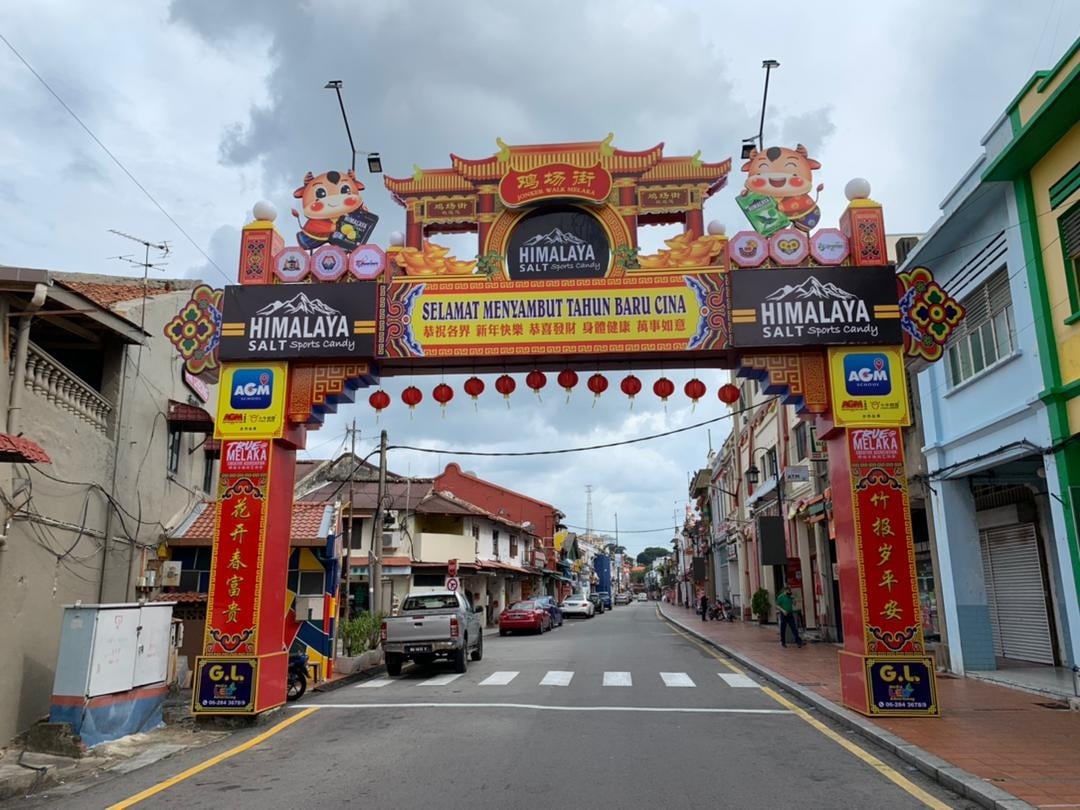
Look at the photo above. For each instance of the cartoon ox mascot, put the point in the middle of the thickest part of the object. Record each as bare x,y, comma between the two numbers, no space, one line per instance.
786,175
326,200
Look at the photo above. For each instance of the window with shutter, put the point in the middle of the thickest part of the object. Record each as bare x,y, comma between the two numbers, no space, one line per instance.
1069,225
987,334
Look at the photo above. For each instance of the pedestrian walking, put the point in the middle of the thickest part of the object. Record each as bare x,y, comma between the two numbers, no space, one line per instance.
704,608
785,603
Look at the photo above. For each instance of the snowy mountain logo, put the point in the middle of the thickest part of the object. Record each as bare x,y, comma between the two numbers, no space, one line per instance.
812,308
811,288
298,318
299,304
554,237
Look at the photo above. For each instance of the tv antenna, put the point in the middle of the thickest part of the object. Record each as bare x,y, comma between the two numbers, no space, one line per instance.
145,264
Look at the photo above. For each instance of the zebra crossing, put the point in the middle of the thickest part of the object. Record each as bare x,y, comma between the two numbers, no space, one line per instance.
564,678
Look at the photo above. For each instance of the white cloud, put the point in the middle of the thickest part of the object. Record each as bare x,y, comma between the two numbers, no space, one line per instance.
215,105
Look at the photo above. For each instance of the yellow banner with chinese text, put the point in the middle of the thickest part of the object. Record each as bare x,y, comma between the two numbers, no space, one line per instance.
657,312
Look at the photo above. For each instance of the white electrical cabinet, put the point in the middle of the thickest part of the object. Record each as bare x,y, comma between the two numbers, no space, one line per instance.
105,649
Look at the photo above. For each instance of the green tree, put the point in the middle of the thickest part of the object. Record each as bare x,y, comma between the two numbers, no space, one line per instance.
651,553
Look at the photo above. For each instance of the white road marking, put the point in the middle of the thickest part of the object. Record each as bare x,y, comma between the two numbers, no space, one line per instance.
498,679
617,679
441,680
676,679
375,684
539,707
740,681
557,677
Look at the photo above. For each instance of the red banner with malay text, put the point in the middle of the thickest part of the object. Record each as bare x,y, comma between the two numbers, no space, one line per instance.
232,611
886,553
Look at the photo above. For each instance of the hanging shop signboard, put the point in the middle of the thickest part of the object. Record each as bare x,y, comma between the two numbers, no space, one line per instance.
558,243
251,401
814,306
868,387
295,321
643,312
555,181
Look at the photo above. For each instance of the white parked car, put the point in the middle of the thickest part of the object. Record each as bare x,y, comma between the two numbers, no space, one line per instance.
642,597
577,605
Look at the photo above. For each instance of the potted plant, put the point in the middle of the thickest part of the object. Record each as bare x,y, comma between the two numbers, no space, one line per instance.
759,605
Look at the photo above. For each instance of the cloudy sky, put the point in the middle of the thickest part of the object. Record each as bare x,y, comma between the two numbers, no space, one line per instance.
212,106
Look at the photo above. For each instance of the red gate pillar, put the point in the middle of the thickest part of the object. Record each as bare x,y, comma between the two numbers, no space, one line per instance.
883,667
244,663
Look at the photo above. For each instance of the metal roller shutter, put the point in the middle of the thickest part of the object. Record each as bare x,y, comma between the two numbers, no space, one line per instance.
1015,593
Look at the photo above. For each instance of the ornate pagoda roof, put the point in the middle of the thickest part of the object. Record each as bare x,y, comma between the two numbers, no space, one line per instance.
648,165
428,181
688,170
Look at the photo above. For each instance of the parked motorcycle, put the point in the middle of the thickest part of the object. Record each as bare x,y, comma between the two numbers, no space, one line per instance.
722,611
297,676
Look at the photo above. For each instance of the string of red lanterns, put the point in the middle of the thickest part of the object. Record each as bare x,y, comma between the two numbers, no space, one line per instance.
568,379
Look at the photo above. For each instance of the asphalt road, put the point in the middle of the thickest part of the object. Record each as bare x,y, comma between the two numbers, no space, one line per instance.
616,711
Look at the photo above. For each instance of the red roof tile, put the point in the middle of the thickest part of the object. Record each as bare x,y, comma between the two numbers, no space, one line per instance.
17,449
178,596
307,522
107,294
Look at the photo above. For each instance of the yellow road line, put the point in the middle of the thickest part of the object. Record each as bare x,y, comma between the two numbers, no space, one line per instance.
889,773
202,766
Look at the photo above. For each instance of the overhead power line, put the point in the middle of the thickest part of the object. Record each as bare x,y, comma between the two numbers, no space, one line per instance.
113,157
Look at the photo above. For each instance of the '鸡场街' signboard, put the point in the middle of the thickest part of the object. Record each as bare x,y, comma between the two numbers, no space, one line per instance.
814,306
287,321
646,312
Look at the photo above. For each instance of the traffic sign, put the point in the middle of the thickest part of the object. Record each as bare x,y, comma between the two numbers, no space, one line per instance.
452,584
451,568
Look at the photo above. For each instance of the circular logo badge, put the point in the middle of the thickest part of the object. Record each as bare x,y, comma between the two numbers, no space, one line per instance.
367,262
328,263
291,265
558,242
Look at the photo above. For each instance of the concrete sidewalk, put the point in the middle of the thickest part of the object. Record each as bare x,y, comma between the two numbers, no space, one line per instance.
1007,741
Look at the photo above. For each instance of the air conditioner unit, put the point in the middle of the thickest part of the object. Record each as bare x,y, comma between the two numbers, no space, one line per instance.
389,540
308,608
170,574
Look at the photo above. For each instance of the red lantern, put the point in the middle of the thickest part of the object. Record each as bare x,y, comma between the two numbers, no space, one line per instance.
695,389
631,386
411,396
597,383
505,385
474,387
728,393
379,400
536,380
663,388
442,394
568,379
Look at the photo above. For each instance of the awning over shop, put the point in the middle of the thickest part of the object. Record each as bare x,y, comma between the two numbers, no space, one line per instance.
212,448
189,418
16,449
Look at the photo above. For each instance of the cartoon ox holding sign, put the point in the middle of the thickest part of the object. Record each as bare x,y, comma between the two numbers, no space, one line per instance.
785,175
334,211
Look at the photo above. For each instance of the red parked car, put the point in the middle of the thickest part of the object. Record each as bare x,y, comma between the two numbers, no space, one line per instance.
524,616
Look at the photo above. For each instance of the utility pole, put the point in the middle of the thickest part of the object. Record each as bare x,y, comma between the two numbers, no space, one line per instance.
349,527
375,568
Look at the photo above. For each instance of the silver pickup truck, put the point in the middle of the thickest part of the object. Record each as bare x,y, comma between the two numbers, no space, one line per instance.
437,624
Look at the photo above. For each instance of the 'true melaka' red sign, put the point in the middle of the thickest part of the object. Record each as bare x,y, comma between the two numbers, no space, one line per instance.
555,181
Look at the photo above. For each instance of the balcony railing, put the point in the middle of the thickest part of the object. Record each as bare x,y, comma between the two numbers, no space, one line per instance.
47,377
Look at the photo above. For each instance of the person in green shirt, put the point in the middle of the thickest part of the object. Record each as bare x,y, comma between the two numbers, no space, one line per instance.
785,603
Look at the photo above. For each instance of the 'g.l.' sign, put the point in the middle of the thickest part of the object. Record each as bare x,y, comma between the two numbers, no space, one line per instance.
224,685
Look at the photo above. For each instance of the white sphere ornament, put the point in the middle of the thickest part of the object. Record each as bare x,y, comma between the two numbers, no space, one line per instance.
716,228
264,211
397,239
857,188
